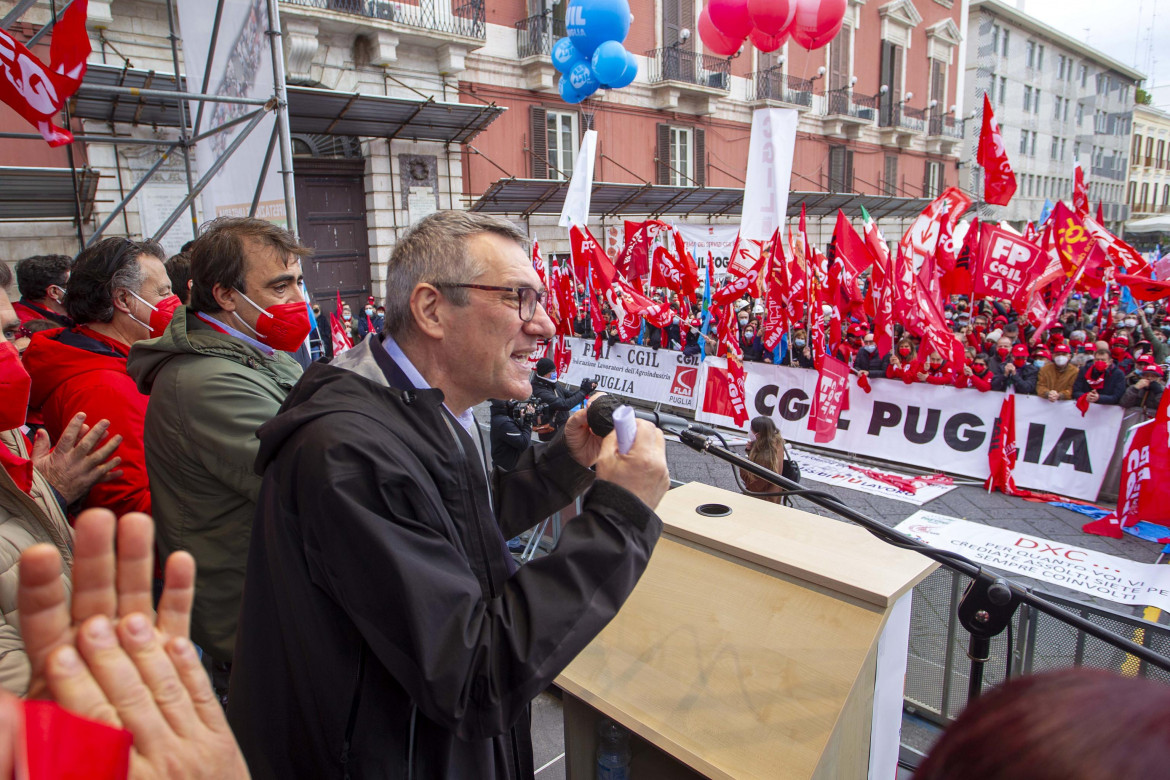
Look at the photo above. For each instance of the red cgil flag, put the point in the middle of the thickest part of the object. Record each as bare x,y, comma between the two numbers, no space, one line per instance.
1080,194
562,356
999,183
337,332
736,391
37,92
832,395
1001,458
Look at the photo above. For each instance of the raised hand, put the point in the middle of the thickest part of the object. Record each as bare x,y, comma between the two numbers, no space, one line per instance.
80,460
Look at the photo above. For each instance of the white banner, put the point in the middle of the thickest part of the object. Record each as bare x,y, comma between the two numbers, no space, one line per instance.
936,428
769,172
1087,571
714,239
831,471
637,372
242,67
575,210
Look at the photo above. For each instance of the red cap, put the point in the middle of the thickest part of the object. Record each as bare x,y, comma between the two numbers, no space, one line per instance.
1122,340
1020,350
856,330
1042,352
1154,368
1001,318
1061,349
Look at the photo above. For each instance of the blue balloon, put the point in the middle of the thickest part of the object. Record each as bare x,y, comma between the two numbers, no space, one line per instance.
628,75
583,81
590,23
609,62
568,94
565,55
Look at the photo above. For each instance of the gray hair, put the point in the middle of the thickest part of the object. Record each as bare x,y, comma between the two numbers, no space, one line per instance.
435,251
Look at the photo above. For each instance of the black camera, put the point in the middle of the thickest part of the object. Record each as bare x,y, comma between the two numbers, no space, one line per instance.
529,414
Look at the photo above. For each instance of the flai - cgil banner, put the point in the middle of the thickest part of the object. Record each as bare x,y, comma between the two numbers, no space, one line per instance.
1086,571
652,375
831,471
935,428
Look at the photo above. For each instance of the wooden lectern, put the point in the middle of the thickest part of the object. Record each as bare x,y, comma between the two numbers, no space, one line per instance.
769,643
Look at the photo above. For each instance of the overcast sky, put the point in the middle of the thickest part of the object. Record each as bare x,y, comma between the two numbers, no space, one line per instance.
1123,29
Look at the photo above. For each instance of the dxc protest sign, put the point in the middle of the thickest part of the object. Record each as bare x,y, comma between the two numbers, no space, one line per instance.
935,428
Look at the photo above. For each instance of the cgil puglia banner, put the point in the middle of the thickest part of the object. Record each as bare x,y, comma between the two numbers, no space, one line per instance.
652,375
935,428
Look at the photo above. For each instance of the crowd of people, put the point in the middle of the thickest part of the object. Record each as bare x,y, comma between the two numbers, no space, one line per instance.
1103,350
337,571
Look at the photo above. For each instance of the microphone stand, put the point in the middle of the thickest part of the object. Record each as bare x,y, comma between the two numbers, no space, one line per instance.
988,603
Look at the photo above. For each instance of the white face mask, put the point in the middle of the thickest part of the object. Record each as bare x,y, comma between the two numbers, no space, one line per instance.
1129,323
1061,360
1040,362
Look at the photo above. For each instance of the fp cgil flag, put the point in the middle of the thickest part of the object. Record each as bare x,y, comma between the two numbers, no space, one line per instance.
999,183
832,396
37,92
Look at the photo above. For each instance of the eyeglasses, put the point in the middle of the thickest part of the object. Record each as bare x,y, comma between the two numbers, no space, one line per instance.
527,298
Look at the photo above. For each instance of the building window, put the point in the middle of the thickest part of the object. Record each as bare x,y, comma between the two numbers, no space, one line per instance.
1040,57
1165,195
994,38
1132,194
991,92
1056,107
561,135
1124,95
1036,103
1161,153
1003,90
1023,141
1030,54
1060,67
1083,75
1145,195
1080,114
1032,150
1005,42
1062,150
680,157
890,176
1027,98
1066,102
932,185
1052,155
840,169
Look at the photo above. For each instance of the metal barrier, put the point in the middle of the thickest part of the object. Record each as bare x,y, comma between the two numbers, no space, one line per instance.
937,670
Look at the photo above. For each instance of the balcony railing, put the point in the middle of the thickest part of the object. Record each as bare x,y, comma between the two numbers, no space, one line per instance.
941,124
842,102
464,18
536,35
674,63
772,84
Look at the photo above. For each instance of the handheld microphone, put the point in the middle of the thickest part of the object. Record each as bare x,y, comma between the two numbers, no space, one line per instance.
600,418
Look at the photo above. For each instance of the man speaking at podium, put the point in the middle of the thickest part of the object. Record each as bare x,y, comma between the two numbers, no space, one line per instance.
385,630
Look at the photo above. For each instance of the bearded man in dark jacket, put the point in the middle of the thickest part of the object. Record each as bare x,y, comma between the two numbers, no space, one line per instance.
385,630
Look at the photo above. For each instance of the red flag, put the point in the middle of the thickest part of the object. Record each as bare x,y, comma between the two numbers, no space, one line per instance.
691,270
849,246
1006,266
634,259
566,301
538,262
745,254
775,319
1144,289
1100,214
587,253
881,293
736,392
1080,194
1001,458
999,183
832,395
37,92
668,271
339,335
562,356
748,283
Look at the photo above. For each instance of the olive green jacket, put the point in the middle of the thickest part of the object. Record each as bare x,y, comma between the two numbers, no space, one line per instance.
209,392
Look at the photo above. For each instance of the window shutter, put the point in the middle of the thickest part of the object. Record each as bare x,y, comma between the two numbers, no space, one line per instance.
670,22
687,20
662,159
848,181
926,191
538,132
700,157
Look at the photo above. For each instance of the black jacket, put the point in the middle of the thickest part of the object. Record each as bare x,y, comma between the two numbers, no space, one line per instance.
559,404
509,438
872,362
1110,392
384,629
1023,379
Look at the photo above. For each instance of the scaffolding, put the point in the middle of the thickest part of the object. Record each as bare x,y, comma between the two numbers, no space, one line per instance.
129,96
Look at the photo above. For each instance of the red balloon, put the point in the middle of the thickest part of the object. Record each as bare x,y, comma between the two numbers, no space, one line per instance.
771,17
817,21
765,42
714,40
730,17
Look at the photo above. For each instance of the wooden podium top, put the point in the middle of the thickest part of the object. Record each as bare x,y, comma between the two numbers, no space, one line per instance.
748,647
833,554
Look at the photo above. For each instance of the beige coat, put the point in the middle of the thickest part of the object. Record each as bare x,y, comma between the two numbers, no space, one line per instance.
25,519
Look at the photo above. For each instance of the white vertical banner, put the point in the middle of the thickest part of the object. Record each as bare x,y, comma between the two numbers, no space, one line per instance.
241,67
769,172
576,208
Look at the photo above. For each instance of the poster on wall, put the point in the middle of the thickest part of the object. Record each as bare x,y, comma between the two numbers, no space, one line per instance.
714,239
934,428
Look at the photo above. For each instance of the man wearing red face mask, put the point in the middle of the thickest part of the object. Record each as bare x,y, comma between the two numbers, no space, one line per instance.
118,293
1018,373
933,371
1119,351
977,375
220,371
36,484
1100,382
